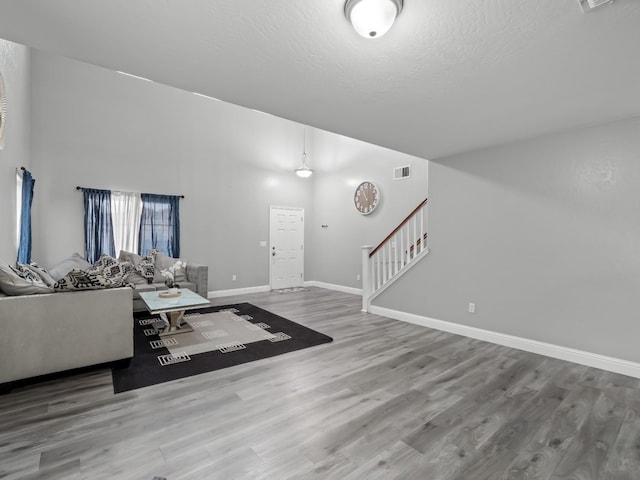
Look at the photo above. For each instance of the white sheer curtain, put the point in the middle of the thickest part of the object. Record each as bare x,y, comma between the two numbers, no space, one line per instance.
126,209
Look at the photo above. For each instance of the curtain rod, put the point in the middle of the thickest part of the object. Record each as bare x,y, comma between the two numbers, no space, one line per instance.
87,188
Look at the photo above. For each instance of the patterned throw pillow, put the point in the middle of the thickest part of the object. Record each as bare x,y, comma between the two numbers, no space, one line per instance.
82,280
147,267
24,272
44,275
103,262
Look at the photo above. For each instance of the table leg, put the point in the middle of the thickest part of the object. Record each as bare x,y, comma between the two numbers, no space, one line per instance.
175,325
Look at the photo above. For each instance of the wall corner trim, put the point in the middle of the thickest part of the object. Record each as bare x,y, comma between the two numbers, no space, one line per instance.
616,365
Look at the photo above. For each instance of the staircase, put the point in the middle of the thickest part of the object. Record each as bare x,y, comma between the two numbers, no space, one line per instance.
395,255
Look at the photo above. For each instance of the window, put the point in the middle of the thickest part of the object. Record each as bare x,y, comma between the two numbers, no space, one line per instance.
160,224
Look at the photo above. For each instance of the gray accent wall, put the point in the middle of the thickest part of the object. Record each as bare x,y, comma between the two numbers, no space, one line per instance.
15,69
542,235
93,127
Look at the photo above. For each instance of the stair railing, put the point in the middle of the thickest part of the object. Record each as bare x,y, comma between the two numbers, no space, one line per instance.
385,263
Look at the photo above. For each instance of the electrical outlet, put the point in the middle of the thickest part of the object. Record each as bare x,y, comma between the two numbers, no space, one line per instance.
263,243
358,277
472,307
233,277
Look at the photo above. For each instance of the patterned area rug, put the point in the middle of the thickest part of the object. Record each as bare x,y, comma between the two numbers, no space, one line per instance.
222,337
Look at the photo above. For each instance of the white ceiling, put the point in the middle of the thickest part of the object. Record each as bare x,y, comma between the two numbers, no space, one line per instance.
451,75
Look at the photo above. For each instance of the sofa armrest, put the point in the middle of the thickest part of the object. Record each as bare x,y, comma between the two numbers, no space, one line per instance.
199,274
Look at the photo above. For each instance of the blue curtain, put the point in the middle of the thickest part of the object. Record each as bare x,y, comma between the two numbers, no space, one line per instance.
160,224
24,249
98,229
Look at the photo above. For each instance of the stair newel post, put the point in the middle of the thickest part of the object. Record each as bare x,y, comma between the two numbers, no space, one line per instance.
367,277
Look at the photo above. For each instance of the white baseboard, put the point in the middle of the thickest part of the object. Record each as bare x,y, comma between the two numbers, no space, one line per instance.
331,286
603,362
238,291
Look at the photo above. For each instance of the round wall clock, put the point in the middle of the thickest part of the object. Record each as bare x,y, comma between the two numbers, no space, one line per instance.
366,198
3,112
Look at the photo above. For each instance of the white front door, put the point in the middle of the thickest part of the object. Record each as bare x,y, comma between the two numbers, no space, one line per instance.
286,247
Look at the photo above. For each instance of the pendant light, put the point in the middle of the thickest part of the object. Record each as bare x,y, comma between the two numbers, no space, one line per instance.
372,18
304,171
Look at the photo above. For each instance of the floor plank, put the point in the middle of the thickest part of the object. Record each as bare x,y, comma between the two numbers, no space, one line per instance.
385,400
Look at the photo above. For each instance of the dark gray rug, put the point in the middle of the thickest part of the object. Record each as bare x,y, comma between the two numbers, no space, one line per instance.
222,337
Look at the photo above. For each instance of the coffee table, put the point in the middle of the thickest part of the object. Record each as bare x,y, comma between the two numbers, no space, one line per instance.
172,309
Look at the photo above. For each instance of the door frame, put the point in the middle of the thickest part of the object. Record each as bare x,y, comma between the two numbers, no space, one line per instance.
269,249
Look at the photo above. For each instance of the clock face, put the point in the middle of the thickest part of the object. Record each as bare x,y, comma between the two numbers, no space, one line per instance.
366,198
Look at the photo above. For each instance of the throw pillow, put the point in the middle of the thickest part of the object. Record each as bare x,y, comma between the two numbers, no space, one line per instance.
74,261
164,262
117,272
24,272
41,272
146,267
134,277
12,283
82,280
103,262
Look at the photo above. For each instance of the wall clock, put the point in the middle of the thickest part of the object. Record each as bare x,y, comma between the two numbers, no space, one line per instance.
3,112
366,198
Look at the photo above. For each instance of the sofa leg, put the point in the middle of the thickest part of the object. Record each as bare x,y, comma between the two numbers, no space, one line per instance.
5,388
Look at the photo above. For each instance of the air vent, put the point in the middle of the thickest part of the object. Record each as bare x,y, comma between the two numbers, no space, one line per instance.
401,172
588,5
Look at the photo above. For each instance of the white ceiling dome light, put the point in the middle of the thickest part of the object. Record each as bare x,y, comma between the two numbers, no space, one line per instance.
372,18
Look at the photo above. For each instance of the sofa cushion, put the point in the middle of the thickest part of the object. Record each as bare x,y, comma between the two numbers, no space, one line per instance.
163,262
12,283
147,287
74,261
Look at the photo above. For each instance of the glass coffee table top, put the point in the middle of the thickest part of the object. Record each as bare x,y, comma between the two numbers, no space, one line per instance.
186,301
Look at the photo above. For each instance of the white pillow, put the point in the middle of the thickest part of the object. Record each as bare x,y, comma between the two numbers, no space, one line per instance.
13,284
75,261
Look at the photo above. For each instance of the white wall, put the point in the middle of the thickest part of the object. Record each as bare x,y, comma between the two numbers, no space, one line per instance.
542,235
15,68
96,128
336,249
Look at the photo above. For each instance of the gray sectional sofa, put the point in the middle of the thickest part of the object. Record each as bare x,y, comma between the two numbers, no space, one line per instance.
45,333
54,332
197,281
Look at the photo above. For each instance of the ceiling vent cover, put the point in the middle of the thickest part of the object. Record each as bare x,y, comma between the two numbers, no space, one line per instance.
402,172
588,5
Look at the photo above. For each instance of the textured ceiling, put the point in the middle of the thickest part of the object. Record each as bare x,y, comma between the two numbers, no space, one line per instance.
450,76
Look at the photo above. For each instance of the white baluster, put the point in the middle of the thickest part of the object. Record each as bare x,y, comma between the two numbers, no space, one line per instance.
395,253
422,242
401,247
367,276
415,236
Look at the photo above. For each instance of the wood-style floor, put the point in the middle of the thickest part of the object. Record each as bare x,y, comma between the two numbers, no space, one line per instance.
385,400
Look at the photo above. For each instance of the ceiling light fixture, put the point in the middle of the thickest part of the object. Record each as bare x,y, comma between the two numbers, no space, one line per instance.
372,18
304,171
